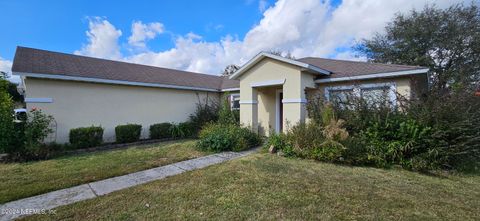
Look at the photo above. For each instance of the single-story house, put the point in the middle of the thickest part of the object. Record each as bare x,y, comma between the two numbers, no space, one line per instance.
270,91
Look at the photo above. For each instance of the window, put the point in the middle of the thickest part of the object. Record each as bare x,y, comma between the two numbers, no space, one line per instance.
374,94
340,97
235,101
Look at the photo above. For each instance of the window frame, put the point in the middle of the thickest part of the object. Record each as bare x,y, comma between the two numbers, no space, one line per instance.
357,90
233,98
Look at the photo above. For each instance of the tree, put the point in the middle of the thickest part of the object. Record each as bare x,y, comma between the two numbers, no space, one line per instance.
446,41
11,88
13,91
6,117
3,75
230,69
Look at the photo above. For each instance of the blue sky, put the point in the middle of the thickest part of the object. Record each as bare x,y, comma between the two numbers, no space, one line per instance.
60,25
200,36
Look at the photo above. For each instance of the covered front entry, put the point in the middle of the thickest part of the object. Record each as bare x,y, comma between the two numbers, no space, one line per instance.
273,93
270,110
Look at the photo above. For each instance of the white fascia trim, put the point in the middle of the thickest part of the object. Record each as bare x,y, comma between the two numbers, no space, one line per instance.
261,55
231,89
38,100
106,81
248,102
294,100
370,76
268,83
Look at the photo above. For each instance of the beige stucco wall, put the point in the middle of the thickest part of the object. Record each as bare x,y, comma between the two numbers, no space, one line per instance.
80,104
255,115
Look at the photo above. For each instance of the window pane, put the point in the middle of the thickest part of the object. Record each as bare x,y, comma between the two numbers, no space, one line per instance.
236,104
235,101
376,96
340,97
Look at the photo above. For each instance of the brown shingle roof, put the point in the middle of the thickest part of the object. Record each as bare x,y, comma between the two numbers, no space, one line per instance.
29,60
230,84
341,68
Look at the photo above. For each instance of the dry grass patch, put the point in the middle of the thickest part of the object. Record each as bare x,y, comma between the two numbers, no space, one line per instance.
20,180
266,187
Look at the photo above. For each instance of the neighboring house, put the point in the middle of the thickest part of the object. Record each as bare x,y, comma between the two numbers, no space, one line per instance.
270,91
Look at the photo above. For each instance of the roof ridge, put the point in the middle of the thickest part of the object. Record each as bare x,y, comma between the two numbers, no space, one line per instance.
362,62
116,61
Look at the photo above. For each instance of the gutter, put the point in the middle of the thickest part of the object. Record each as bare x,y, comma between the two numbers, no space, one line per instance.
107,81
372,76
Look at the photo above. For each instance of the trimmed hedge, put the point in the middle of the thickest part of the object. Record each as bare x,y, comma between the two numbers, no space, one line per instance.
160,131
128,133
84,137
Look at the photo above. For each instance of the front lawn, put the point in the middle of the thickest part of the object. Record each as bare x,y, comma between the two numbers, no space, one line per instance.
20,180
268,187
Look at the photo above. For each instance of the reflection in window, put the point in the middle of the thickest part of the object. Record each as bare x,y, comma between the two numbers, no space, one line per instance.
340,97
375,96
235,101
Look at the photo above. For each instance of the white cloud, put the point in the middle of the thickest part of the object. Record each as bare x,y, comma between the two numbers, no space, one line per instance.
304,28
348,55
102,40
144,32
6,66
262,5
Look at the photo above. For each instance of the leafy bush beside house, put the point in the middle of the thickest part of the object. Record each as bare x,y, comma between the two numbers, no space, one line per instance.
84,137
226,114
128,133
28,138
6,117
439,131
227,137
205,113
182,130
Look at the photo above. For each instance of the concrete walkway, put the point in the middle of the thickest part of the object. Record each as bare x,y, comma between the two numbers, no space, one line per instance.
42,204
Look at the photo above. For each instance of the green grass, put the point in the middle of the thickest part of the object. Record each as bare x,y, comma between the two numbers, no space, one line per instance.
268,187
20,180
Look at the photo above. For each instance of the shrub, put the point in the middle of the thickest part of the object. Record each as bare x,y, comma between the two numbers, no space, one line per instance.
304,138
252,138
226,115
205,113
84,137
439,130
29,137
225,137
279,141
329,151
455,121
355,152
6,117
160,131
128,133
181,130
